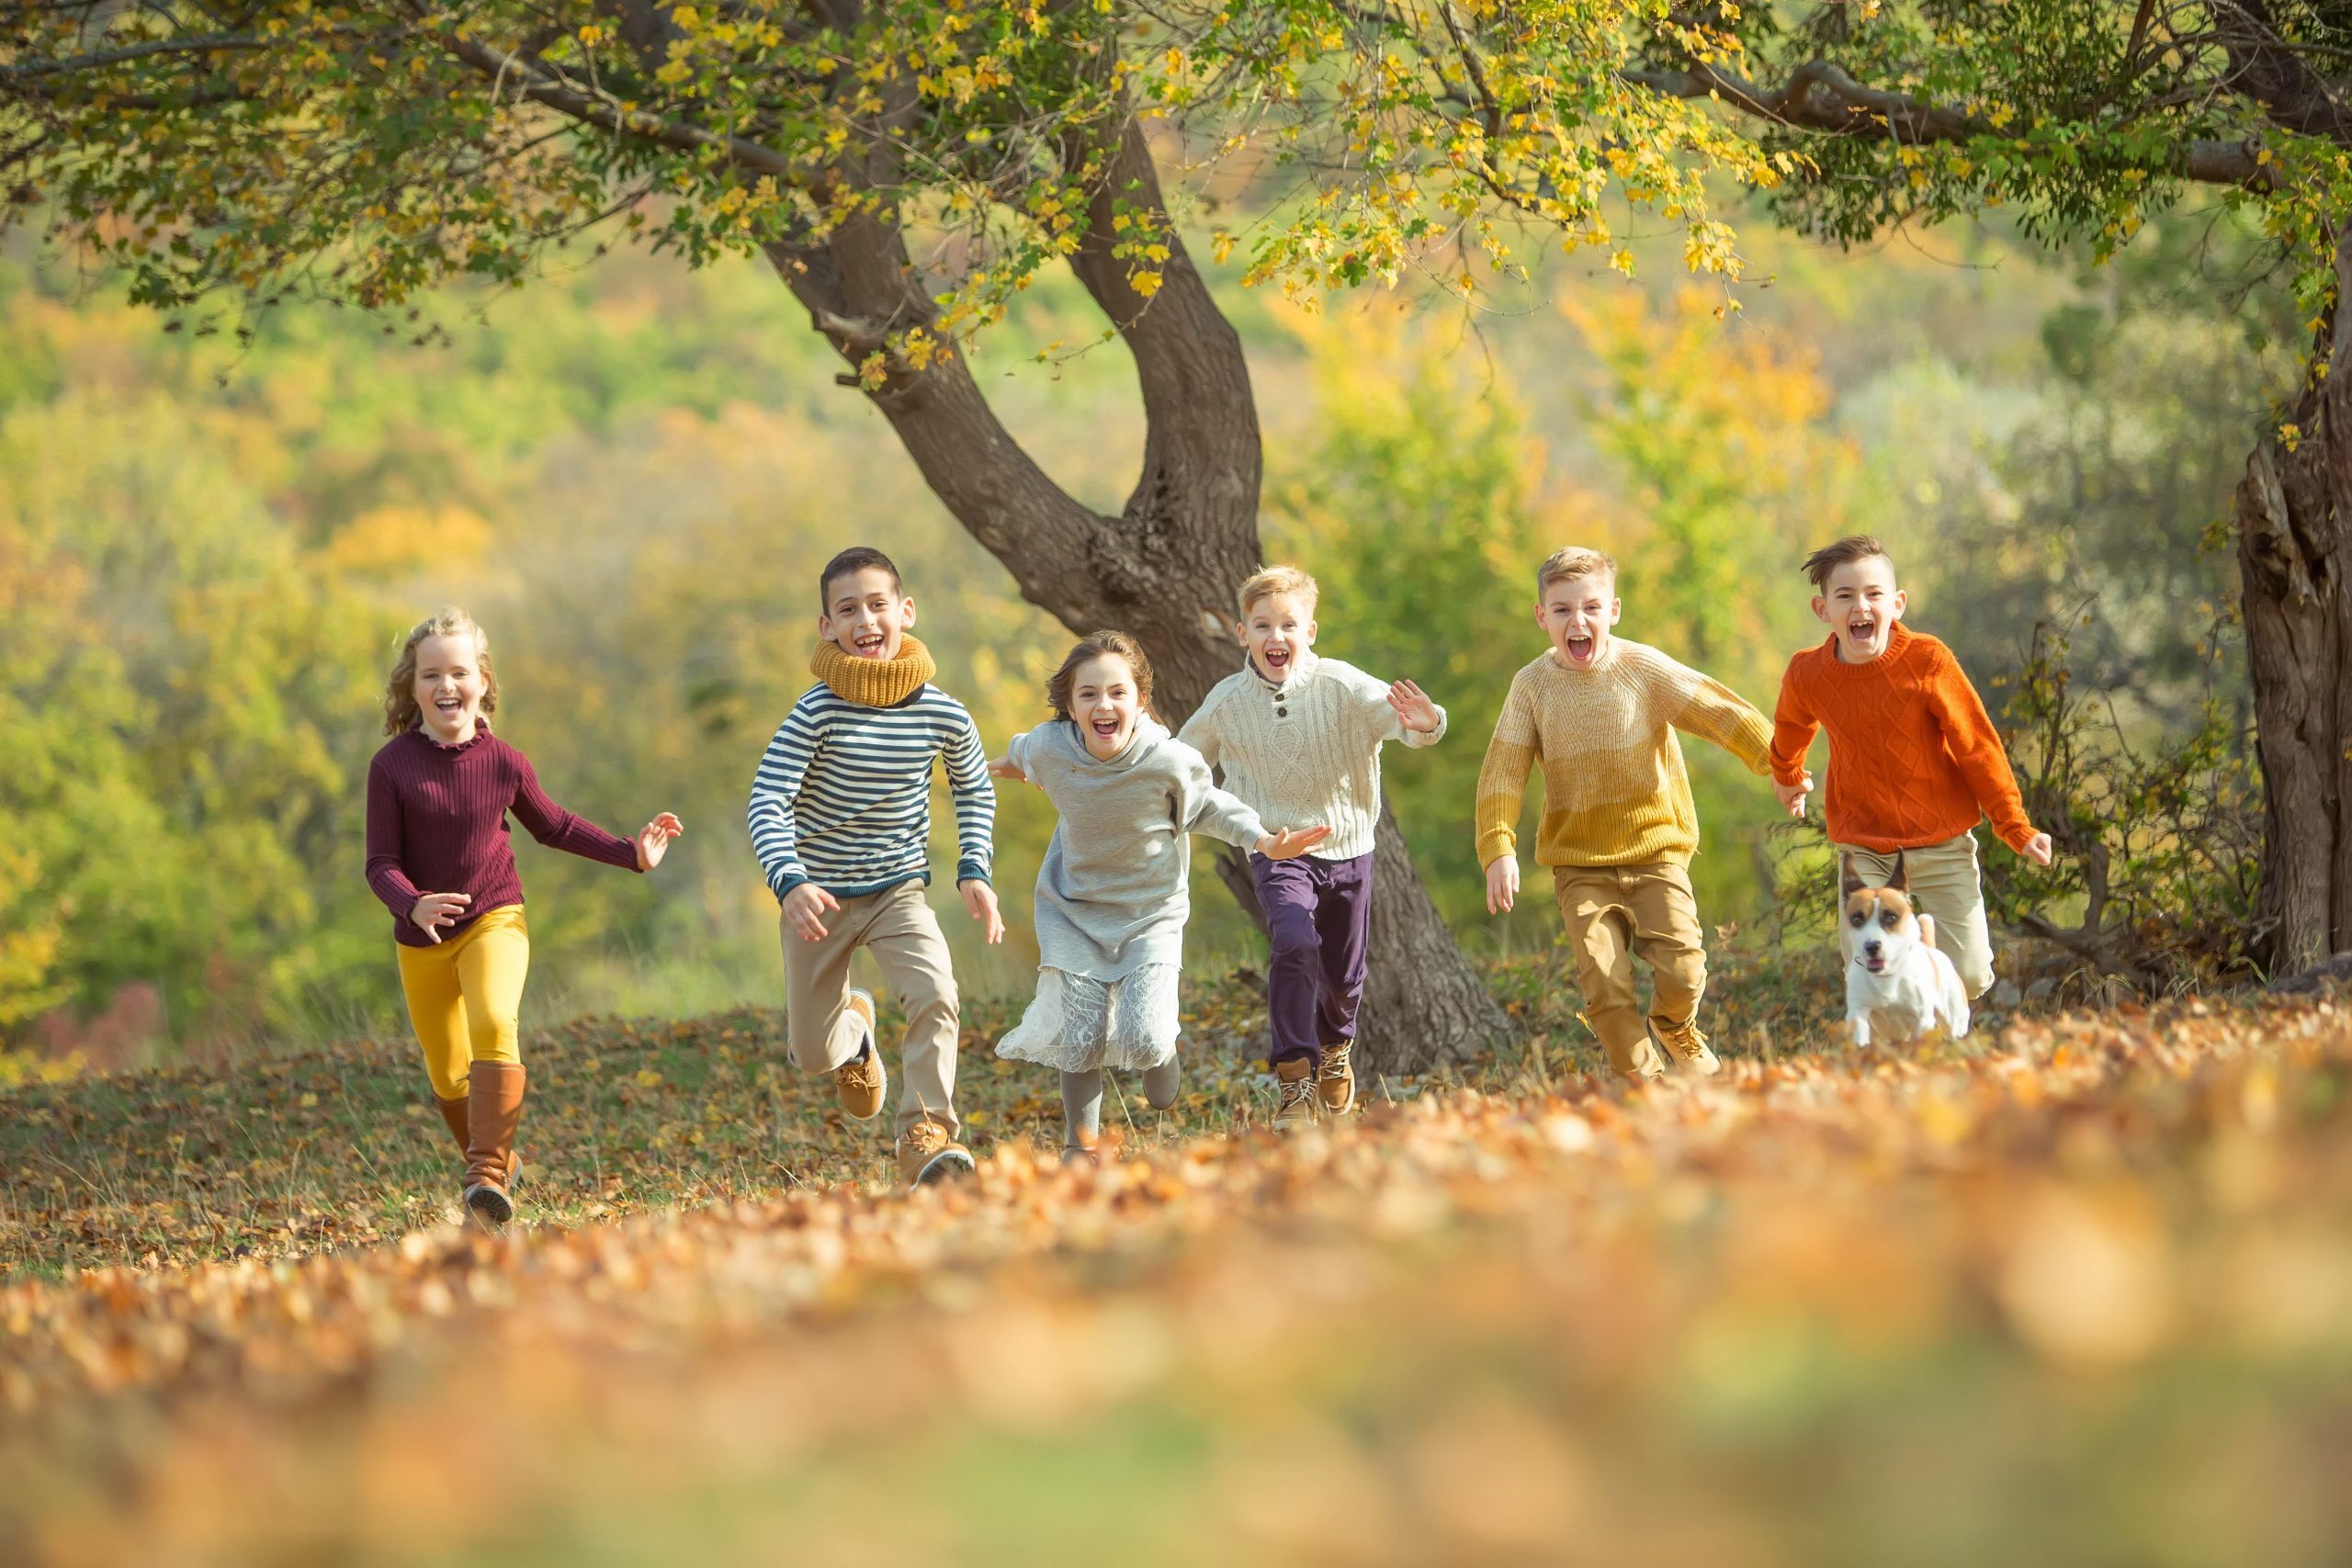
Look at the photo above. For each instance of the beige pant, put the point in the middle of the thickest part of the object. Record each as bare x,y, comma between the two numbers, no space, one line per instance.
898,927
1616,913
1943,884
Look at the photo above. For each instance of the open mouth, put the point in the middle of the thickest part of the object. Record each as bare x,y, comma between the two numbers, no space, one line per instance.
1875,964
1106,728
1277,659
868,645
1580,647
1862,628
450,706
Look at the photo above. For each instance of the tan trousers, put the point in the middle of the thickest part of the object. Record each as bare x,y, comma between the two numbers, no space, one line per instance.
1944,883
1616,913
898,927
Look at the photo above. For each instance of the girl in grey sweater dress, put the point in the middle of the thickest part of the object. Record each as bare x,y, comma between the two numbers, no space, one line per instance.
1112,893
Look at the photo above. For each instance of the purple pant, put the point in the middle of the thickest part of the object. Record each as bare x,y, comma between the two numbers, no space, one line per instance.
1319,913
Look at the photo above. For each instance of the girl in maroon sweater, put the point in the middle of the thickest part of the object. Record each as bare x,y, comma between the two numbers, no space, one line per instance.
438,795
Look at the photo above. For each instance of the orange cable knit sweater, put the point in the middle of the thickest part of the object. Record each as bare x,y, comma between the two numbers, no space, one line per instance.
1914,758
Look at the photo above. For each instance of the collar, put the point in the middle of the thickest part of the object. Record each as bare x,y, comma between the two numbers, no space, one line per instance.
1898,642
1302,670
874,682
481,729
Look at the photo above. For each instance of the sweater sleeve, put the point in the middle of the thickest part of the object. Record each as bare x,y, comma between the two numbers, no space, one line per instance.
386,875
1795,724
1707,708
966,762
775,835
1205,732
1368,698
1975,747
1517,746
559,830
1204,808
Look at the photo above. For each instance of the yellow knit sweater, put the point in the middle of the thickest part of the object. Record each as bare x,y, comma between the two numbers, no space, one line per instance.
1615,790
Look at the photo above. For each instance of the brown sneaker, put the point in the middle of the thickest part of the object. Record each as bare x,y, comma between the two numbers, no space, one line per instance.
1688,1046
1336,1083
862,1081
927,1153
1295,1109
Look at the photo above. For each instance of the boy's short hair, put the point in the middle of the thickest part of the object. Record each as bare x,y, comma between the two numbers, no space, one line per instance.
1844,552
1278,580
1574,561
857,557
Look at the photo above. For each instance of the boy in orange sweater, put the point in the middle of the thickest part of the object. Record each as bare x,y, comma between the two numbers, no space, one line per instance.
1913,759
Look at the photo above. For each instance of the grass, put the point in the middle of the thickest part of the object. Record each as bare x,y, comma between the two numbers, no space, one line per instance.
290,1151
2077,1289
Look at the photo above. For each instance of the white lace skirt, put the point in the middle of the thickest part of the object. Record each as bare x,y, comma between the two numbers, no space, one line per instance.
1077,1023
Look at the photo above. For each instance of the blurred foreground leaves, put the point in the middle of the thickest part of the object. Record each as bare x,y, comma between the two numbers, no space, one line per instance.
2081,1291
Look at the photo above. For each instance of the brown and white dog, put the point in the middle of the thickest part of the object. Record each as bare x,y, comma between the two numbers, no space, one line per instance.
1898,986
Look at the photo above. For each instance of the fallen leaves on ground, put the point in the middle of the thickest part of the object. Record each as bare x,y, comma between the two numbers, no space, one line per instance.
2083,1291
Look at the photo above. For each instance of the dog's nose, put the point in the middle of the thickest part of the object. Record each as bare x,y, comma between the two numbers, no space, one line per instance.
1870,948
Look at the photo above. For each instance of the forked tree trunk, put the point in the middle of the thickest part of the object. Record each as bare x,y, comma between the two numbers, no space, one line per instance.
2292,515
1167,567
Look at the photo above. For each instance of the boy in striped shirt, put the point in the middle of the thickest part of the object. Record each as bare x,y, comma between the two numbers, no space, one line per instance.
841,820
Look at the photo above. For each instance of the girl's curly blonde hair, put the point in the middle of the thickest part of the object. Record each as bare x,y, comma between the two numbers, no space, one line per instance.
401,711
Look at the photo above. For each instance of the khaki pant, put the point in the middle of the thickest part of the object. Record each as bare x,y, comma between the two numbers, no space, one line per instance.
896,926
1944,883
1616,913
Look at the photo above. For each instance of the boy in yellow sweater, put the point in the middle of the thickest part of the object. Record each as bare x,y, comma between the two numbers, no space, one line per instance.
1599,713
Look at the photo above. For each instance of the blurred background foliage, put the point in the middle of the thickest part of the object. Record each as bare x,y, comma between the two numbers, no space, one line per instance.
630,475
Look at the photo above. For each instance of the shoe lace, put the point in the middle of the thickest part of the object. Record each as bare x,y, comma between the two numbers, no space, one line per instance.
925,1137
1684,1040
1296,1092
1335,1061
858,1071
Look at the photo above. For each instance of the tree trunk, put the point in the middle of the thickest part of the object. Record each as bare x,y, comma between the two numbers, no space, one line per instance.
1167,567
2294,517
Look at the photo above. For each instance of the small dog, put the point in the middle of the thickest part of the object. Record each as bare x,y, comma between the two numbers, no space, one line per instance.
1898,986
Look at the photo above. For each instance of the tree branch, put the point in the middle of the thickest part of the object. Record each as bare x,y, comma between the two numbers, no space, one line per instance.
1819,95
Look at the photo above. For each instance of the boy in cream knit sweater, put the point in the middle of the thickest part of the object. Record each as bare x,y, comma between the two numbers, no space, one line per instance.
1598,714
1298,738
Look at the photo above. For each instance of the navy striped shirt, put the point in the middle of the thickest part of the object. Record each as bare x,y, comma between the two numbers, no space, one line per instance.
842,796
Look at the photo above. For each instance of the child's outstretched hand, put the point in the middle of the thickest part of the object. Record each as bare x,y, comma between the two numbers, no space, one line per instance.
2038,849
979,901
654,842
434,910
1414,710
1502,883
1792,795
1003,768
1291,842
805,909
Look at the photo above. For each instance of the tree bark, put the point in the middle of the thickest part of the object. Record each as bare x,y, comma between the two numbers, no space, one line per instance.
2294,517
1166,569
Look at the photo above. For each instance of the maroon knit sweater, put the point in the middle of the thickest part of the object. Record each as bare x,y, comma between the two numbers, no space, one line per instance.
436,823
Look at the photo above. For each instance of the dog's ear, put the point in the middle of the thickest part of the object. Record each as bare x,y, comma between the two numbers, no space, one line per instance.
1901,880
1849,881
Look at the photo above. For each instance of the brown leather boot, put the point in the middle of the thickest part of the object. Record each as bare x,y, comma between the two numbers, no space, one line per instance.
1295,1083
456,1118
494,1107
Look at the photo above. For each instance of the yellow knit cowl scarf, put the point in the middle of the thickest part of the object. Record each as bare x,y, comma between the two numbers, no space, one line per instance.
874,682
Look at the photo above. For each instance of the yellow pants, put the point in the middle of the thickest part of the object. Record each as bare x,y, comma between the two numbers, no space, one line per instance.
464,993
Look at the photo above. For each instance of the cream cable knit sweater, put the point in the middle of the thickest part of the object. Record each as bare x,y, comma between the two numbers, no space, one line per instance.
1306,753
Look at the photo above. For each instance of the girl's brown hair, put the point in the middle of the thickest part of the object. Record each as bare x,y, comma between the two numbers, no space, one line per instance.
401,712
1100,645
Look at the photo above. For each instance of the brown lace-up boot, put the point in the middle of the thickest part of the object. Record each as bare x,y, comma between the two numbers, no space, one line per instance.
1335,1081
1688,1046
1295,1080
493,1110
926,1153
